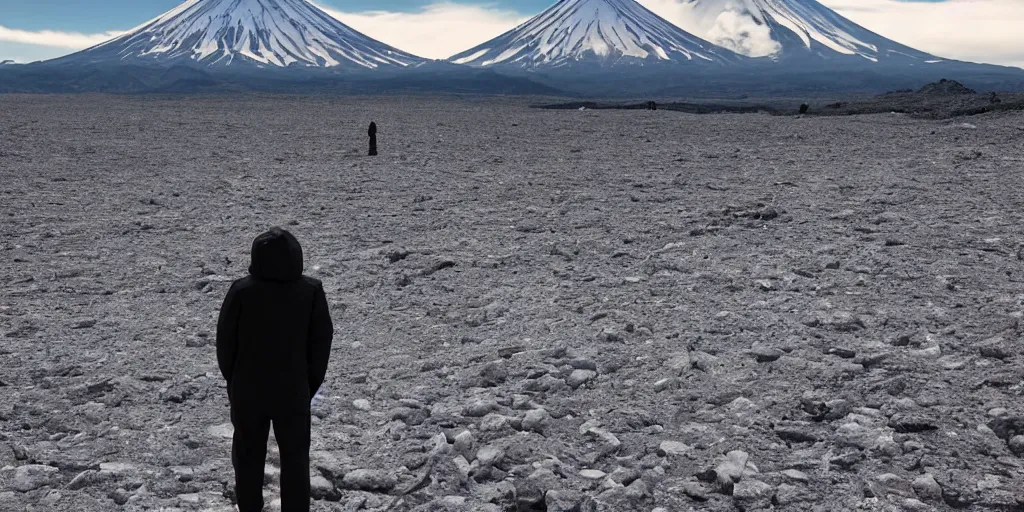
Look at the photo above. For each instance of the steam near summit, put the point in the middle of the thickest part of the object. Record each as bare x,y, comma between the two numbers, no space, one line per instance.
790,29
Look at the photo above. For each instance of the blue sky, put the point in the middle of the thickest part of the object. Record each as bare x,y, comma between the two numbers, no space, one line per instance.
104,15
975,30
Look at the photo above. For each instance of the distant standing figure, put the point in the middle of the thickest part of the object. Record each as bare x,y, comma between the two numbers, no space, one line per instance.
804,108
273,343
652,105
373,138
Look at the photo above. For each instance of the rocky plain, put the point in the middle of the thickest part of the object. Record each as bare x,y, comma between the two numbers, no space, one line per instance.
535,309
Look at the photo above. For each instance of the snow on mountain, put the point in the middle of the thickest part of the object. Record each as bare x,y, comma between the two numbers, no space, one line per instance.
604,32
782,29
265,33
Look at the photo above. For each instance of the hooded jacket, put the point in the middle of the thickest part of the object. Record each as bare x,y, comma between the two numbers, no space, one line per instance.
274,332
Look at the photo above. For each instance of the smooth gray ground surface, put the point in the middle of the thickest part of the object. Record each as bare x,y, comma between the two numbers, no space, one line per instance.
840,297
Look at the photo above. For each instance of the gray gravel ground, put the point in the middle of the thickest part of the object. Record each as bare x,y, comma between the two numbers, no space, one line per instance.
536,310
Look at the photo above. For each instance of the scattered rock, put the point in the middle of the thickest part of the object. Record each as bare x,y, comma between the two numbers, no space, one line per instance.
85,323
412,416
609,442
536,420
911,424
625,476
912,505
840,321
995,348
370,480
841,352
568,501
490,456
321,488
1016,445
84,479
546,383
119,496
666,384
494,373
1007,427
531,492
933,352
33,476
927,488
679,363
508,352
795,433
637,491
222,431
857,436
730,471
695,491
705,362
118,468
183,474
765,354
493,423
610,336
579,378
673,449
753,494
480,408
894,484
465,444
796,475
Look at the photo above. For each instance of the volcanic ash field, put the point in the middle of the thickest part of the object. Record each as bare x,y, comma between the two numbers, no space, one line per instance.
535,310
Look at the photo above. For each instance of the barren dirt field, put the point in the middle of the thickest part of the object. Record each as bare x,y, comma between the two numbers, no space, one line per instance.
535,310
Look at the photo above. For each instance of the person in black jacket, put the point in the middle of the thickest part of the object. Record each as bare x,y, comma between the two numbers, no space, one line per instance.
274,339
372,132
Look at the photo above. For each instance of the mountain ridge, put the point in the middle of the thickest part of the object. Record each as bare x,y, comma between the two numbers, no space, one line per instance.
602,33
260,33
590,48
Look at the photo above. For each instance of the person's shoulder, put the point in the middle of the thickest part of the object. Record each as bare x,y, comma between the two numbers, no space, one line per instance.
312,281
242,284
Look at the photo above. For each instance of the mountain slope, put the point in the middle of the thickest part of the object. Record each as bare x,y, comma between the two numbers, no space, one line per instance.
791,29
263,33
602,33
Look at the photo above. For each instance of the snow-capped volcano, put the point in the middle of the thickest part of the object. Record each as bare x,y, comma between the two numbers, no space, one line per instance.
269,33
604,32
784,29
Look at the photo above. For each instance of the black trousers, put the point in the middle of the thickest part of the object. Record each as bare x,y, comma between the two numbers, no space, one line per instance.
249,456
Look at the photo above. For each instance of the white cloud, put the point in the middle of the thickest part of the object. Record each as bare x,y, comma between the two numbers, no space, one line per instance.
972,30
53,38
437,31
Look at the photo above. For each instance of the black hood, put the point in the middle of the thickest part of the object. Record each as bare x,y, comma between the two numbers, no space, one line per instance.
276,256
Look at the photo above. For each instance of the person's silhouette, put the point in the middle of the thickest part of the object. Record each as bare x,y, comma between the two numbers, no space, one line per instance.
373,138
274,339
